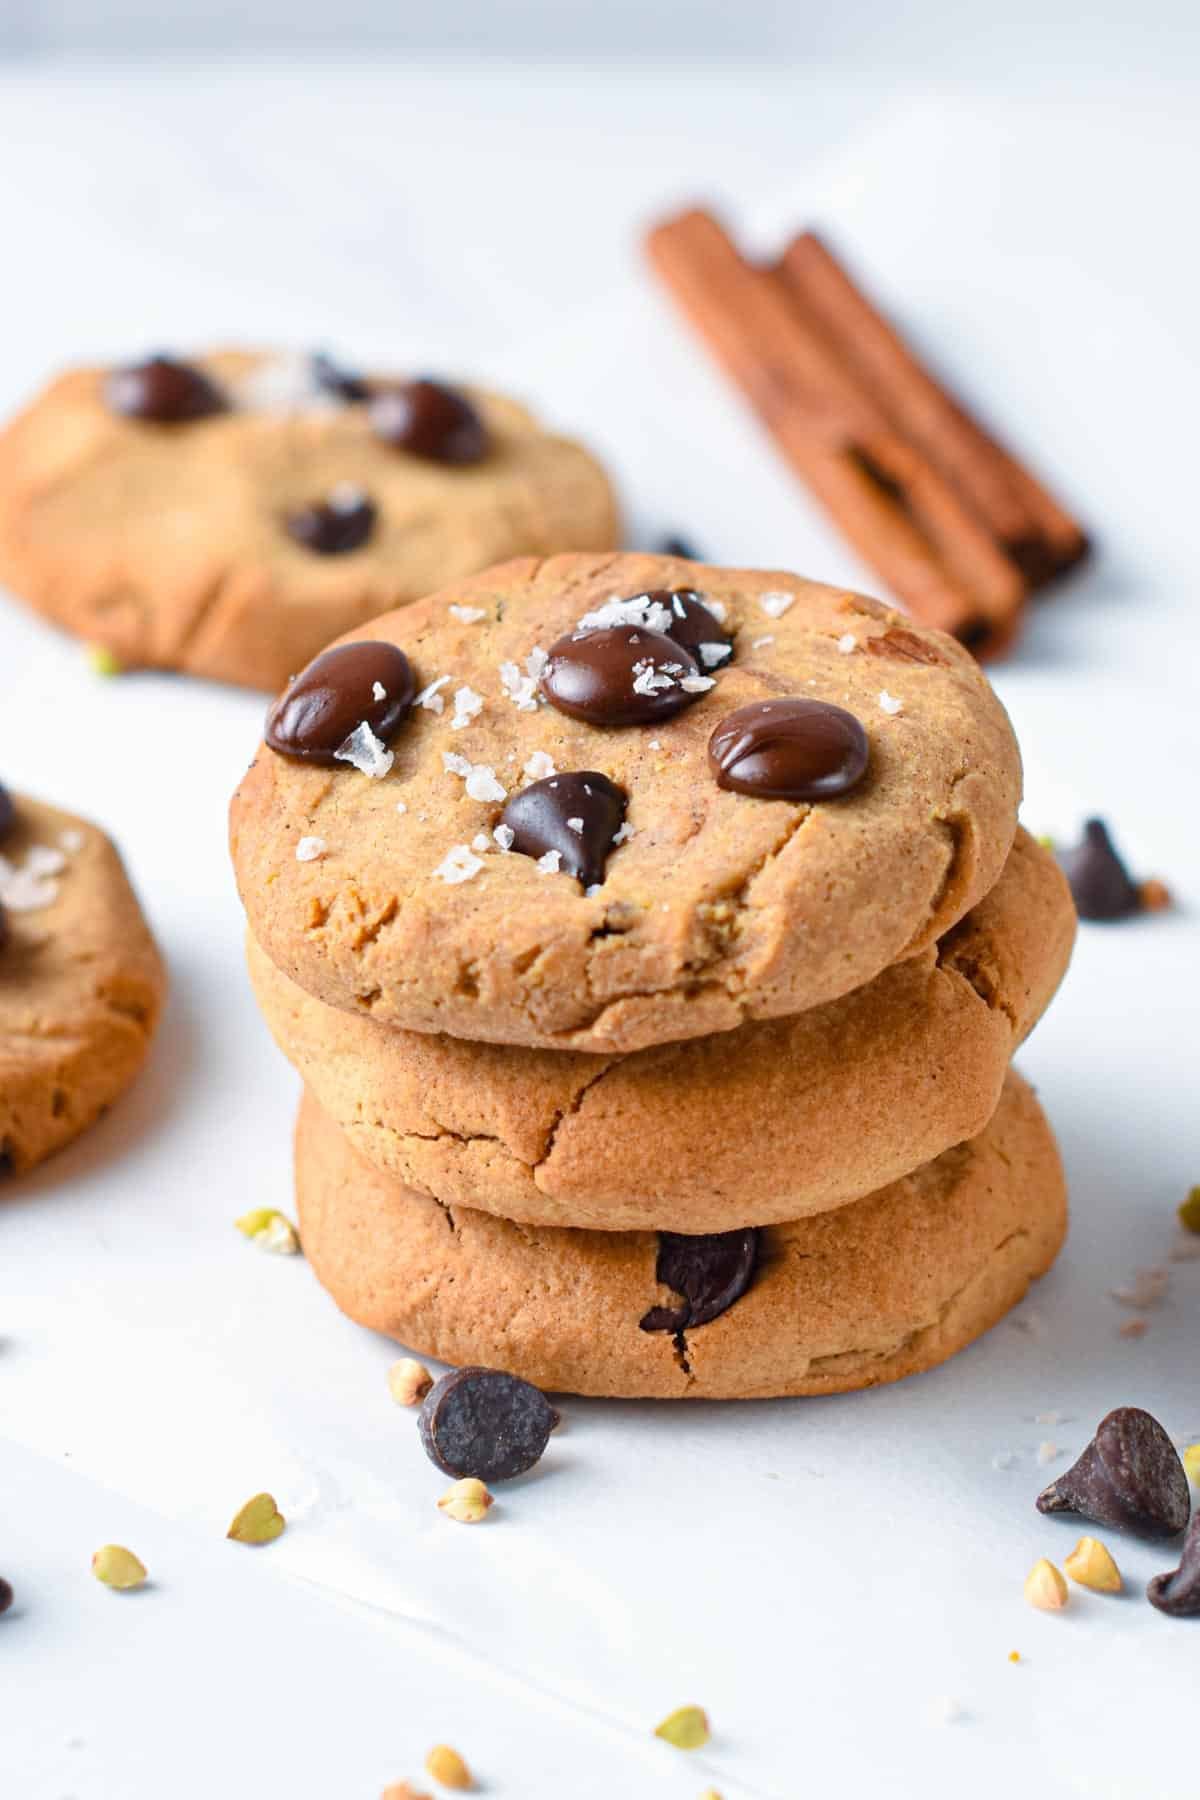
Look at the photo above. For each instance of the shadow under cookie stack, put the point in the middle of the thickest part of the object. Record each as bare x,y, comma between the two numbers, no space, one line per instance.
653,941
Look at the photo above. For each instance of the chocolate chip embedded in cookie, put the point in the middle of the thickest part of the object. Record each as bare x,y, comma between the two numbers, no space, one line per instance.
364,688
715,906
81,983
779,1119
231,514
883,1288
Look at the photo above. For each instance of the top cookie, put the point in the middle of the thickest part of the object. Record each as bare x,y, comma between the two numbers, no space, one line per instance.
229,516
428,884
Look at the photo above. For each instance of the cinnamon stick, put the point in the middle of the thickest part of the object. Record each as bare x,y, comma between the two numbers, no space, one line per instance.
891,502
1038,534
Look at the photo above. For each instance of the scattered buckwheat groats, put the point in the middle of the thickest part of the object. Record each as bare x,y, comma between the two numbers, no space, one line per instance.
1091,1565
485,1423
1130,1476
468,1501
258,1522
1178,1593
408,1381
686,1728
448,1768
118,1568
1045,1587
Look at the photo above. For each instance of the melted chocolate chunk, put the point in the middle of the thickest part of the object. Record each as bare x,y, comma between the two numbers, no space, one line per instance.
485,1423
335,380
163,391
692,624
1099,881
711,1272
578,815
430,420
1129,1476
1178,1593
8,813
326,702
789,750
333,526
623,675
6,1595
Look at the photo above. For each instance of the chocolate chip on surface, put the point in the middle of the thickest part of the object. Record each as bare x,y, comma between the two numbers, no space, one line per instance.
335,380
1099,881
789,750
163,392
485,1423
1178,1592
621,675
6,1595
577,814
428,419
678,546
368,683
341,522
694,624
710,1271
1130,1476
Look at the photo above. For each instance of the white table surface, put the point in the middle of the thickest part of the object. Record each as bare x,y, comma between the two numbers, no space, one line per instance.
822,1576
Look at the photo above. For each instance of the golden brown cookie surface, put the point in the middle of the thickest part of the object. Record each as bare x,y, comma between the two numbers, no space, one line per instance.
81,982
776,1120
887,1287
716,906
168,542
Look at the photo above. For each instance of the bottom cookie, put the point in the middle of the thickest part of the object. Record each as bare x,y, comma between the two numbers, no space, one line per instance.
879,1289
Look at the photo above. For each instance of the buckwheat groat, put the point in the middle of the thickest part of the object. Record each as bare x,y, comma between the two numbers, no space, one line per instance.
776,1120
886,1287
810,788
81,983
230,515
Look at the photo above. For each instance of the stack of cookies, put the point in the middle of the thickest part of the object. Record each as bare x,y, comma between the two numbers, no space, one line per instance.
653,940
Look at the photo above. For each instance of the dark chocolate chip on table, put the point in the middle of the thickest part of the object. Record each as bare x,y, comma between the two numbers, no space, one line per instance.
335,380
8,813
710,1271
428,419
1099,881
622,675
789,750
679,546
1178,1592
368,683
6,1595
578,814
485,1423
341,522
163,392
1129,1476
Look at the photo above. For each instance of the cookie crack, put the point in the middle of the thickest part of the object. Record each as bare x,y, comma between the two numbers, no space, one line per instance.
563,1113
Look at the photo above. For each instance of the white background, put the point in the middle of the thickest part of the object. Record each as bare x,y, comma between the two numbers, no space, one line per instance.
821,1576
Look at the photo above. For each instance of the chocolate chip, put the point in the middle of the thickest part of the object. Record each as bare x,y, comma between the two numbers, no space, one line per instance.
711,1272
335,380
1179,1592
163,391
342,522
336,693
904,646
485,1423
8,813
430,420
692,624
1129,1476
681,547
4,931
622,675
6,1595
578,815
1099,880
789,750
7,1160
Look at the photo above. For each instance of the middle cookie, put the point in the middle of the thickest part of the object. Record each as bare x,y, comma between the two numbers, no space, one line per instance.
775,1121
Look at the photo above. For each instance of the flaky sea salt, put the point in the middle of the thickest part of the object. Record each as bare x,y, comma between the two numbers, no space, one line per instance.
310,848
505,837
459,864
760,643
624,830
539,767
71,841
480,778
378,691
431,697
642,609
713,655
42,860
654,744
648,679
575,825
889,703
522,688
697,684
284,383
402,806
481,843
467,615
776,603
847,643
467,706
549,863
365,752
